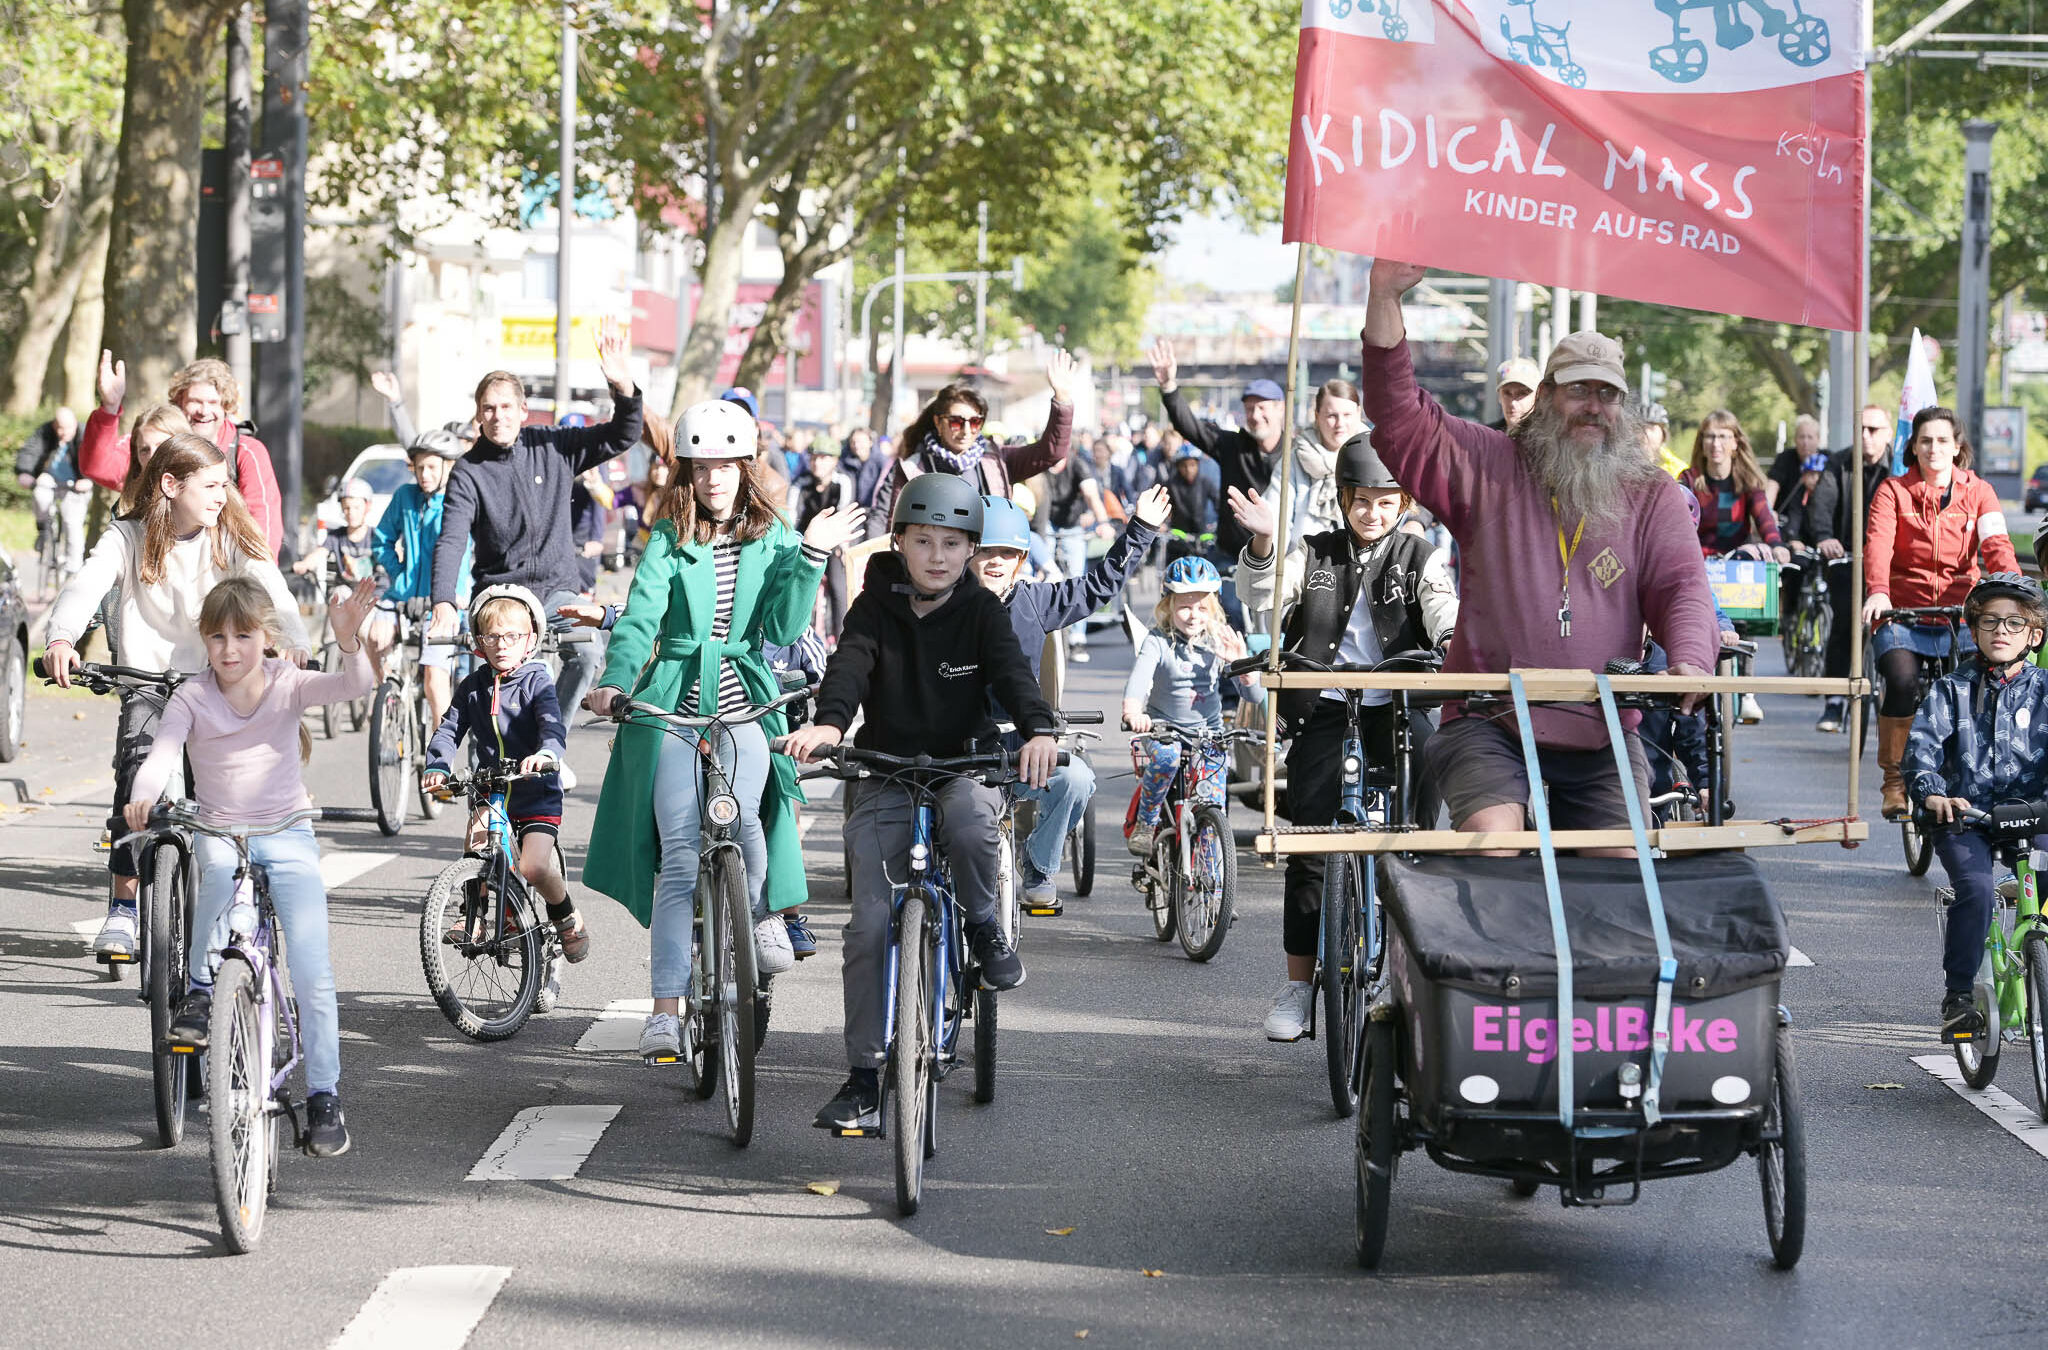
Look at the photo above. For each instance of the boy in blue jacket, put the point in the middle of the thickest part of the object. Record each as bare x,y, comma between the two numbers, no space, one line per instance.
508,710
402,546
1037,610
1980,738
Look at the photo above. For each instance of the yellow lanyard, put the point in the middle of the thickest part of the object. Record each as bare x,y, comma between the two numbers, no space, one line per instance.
1564,583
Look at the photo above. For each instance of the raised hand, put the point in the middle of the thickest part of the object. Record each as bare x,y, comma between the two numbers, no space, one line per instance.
1155,507
349,611
1165,368
113,382
1390,277
1255,514
1063,373
611,355
832,527
386,385
583,616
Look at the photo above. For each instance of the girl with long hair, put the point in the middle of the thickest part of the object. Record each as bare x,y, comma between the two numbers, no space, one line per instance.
1734,504
723,576
186,532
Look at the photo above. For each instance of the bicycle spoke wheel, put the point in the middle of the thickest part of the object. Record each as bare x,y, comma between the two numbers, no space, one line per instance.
1081,851
166,903
431,806
391,776
910,1058
238,1126
2036,963
1009,903
1919,846
984,1045
1203,911
736,983
1781,1161
1978,1056
1342,961
485,981
1159,895
1373,1155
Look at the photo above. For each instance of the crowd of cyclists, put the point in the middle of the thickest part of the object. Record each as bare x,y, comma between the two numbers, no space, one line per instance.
918,579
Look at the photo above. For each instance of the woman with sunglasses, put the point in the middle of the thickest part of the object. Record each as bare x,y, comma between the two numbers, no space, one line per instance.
947,438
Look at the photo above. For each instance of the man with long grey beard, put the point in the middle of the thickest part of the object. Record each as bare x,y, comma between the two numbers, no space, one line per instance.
1571,541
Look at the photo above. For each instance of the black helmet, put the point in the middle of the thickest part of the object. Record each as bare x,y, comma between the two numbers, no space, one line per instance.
2006,586
938,499
1358,465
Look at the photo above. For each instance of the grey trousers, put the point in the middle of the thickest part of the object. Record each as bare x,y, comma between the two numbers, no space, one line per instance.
878,842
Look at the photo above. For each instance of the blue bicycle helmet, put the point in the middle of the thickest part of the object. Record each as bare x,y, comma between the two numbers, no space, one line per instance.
1004,525
1191,574
1817,462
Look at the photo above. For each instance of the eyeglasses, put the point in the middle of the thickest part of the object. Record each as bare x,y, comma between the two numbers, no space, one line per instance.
1588,391
2011,623
959,423
500,639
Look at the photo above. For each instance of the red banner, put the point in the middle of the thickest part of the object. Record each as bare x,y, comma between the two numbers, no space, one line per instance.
1703,153
747,309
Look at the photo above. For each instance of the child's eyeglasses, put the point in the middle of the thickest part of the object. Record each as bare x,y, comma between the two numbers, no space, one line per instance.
500,639
2011,623
959,423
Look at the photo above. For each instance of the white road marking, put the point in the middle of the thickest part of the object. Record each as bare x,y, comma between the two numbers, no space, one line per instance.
544,1143
88,928
1798,958
424,1308
2021,1122
338,868
617,1028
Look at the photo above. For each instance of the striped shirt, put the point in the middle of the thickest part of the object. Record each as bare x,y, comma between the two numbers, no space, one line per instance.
725,563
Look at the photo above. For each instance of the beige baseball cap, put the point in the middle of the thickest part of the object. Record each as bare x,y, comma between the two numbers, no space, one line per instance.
1587,356
1520,370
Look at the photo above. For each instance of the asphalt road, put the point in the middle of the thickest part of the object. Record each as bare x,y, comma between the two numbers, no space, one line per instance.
1199,1183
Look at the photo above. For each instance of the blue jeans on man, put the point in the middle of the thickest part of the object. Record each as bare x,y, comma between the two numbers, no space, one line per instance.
1059,806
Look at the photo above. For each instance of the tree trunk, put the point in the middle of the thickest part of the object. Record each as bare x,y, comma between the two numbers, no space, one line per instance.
774,335
718,287
152,251
82,330
885,384
73,236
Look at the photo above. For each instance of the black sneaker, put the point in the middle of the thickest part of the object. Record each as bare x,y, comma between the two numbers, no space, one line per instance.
194,1015
326,1131
1960,1020
858,1105
1000,966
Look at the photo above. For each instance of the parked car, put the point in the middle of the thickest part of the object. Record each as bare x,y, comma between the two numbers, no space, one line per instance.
2035,498
384,466
13,660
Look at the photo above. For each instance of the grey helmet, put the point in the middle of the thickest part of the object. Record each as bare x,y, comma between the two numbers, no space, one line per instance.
439,443
1359,466
944,499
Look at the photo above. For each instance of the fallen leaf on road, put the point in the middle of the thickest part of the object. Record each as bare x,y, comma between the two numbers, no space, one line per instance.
1058,1232
1884,1087
823,1188
78,717
1153,1274
1081,1335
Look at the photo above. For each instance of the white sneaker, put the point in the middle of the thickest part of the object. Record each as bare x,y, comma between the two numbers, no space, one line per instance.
1289,1019
550,993
117,936
1750,712
772,952
568,776
1140,842
661,1034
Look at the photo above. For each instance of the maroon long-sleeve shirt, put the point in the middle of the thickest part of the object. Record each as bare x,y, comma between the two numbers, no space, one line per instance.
1643,570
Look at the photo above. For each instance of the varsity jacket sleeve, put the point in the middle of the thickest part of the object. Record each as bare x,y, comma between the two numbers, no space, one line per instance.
1073,601
640,623
1009,675
1439,598
1255,583
458,514
852,666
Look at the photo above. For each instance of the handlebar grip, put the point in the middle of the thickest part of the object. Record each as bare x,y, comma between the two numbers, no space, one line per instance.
568,636
1082,718
1245,664
42,671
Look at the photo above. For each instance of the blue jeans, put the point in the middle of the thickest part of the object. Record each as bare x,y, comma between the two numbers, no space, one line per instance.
1060,804
678,778
581,661
1967,858
292,860
1070,545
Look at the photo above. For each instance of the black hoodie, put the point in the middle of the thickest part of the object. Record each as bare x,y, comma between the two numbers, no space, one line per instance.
925,683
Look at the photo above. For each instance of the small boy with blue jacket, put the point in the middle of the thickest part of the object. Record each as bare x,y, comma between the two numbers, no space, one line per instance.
509,712
1980,738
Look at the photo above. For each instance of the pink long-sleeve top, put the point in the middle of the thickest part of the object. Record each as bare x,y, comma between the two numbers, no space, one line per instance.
1642,570
245,769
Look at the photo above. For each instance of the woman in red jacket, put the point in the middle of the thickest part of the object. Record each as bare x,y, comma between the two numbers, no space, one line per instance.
1927,527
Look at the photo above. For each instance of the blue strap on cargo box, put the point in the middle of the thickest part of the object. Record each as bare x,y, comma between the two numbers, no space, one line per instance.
1667,965
1539,807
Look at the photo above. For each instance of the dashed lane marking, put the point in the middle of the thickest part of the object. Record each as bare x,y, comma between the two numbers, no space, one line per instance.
1798,958
617,1028
2021,1122
339,867
544,1143
424,1308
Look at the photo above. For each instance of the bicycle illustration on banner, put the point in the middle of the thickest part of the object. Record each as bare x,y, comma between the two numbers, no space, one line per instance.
1393,25
1803,39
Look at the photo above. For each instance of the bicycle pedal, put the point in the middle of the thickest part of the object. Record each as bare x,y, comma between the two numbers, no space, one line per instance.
662,1059
178,1048
1045,911
114,959
861,1131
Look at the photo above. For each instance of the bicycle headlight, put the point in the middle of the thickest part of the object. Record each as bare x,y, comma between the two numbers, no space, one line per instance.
723,809
918,856
1351,767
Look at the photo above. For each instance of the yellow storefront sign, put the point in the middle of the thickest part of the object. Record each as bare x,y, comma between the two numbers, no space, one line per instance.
532,337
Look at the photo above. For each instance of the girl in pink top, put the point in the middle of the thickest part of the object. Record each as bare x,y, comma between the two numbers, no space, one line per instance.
239,723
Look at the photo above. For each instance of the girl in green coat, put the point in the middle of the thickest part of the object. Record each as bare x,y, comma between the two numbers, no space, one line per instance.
722,576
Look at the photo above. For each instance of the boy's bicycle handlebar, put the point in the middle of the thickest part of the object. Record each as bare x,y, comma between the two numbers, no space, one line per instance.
993,768
2012,820
485,780
103,679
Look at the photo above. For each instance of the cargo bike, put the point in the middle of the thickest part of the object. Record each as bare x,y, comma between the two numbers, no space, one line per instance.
1590,1024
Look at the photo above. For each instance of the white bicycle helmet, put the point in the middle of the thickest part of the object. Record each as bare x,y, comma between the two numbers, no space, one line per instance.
508,592
716,429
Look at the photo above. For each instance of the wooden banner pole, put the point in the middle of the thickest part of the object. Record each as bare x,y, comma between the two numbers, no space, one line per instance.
1280,540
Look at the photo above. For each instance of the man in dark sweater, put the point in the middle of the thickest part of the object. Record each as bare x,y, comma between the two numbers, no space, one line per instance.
1248,458
510,494
1874,437
923,649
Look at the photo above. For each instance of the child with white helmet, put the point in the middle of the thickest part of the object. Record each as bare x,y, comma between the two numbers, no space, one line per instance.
723,576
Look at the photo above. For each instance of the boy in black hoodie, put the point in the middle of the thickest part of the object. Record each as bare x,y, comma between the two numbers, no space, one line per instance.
923,648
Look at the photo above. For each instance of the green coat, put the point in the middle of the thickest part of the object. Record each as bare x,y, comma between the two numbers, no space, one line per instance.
659,651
